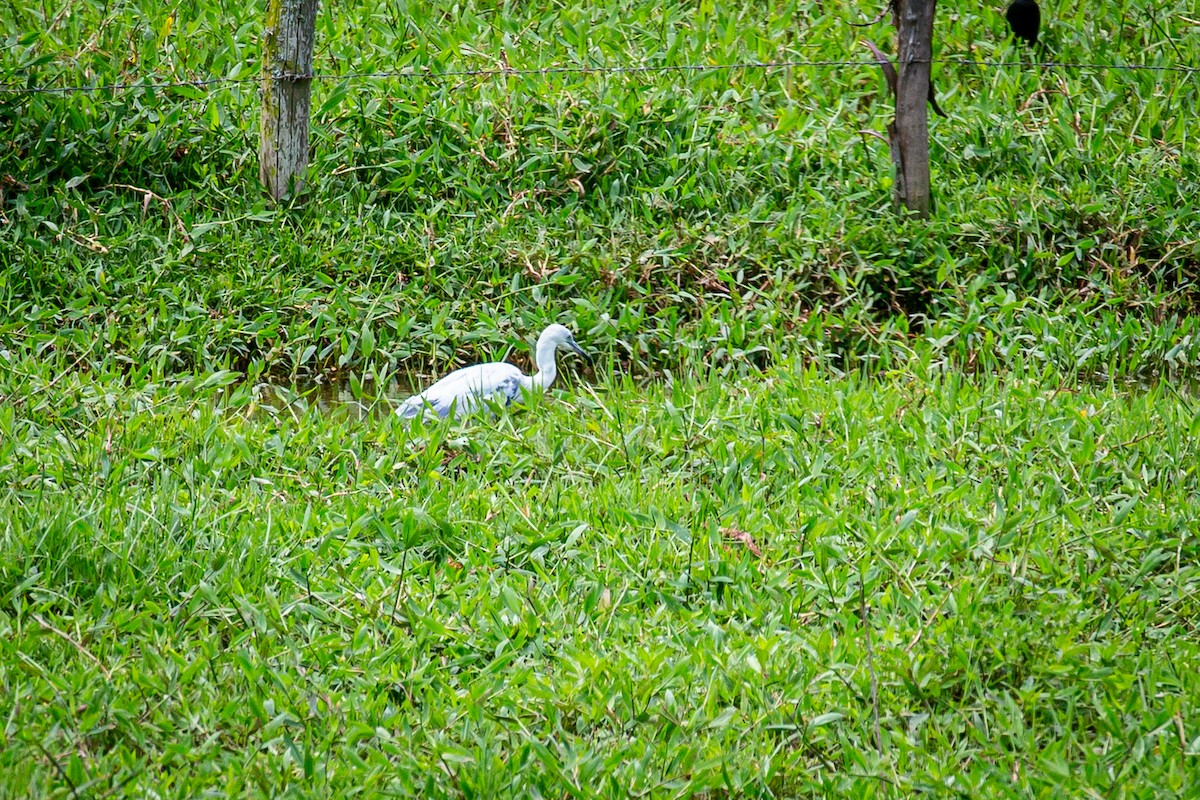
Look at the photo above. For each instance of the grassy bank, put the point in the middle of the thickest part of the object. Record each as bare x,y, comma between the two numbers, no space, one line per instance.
851,504
655,589
724,210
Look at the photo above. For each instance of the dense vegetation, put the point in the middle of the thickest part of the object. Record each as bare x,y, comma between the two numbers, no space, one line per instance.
449,216
625,590
850,503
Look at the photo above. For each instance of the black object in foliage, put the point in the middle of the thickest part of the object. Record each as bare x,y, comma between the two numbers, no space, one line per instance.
1024,17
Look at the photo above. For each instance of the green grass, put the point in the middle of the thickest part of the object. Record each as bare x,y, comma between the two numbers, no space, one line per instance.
852,504
208,598
448,218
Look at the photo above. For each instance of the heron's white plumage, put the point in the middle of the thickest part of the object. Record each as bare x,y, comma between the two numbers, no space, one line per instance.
463,391
466,390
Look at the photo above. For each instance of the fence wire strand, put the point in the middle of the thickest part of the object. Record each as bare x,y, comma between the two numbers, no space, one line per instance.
495,72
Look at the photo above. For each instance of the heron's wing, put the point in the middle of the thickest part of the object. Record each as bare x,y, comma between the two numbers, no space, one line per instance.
464,389
510,389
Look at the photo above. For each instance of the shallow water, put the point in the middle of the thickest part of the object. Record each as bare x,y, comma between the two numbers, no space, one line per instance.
331,398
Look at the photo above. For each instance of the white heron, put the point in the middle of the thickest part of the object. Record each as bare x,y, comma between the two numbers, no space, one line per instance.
466,390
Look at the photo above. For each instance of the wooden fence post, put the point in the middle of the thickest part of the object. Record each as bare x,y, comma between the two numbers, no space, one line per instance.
286,67
914,18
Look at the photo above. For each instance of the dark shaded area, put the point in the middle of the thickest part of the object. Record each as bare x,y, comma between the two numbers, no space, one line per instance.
1025,18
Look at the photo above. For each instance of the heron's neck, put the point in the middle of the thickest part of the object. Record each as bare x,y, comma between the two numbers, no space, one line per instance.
547,369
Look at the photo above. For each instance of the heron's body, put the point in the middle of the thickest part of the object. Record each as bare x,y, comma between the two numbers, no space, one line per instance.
466,390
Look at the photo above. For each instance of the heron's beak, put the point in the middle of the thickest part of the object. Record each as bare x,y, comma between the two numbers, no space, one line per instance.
571,344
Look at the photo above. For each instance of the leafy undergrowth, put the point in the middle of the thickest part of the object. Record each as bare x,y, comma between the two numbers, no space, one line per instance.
709,211
799,585
854,504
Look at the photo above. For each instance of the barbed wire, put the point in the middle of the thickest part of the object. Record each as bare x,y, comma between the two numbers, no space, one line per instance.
493,72
117,87
1082,66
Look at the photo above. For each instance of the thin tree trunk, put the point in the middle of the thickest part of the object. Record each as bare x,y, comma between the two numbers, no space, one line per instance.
287,63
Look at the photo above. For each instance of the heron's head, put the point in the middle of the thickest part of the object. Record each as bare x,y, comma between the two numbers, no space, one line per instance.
559,338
